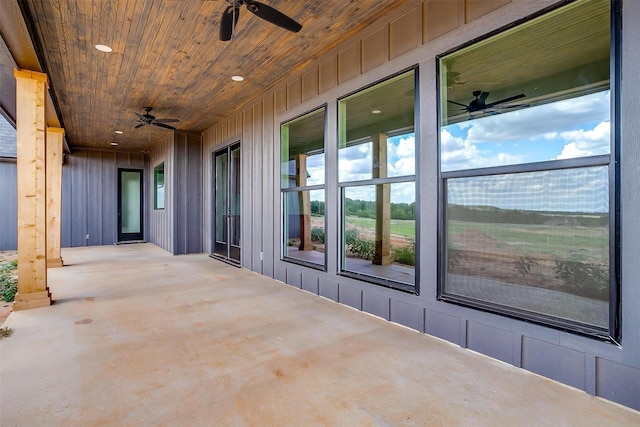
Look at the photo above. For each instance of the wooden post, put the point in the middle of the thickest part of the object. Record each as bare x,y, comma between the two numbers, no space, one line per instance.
31,131
305,204
55,137
382,255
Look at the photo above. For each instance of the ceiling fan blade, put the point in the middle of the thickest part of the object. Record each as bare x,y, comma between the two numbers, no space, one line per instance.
509,99
272,15
457,103
166,120
140,116
162,125
139,125
228,23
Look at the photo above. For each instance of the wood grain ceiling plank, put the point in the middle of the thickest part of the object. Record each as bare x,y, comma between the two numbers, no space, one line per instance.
118,87
167,55
138,70
181,49
103,13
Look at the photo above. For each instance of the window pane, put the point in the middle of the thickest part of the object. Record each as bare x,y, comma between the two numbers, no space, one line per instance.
304,226
379,231
532,241
130,200
221,196
497,111
376,128
302,151
158,180
234,197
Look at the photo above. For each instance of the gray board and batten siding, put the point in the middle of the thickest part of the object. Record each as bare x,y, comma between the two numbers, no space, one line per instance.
405,38
90,195
187,186
8,187
177,227
9,198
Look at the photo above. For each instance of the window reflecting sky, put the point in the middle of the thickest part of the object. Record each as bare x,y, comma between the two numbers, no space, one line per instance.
571,128
355,164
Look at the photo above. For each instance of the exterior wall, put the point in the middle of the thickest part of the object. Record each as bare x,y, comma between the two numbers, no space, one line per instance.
90,196
172,228
8,187
161,220
415,35
9,197
187,193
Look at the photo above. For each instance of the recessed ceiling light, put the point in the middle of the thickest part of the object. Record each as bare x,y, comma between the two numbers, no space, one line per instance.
376,111
237,78
119,132
113,144
103,48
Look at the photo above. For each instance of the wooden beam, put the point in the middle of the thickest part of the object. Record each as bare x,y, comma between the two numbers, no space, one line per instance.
31,132
305,203
55,142
382,255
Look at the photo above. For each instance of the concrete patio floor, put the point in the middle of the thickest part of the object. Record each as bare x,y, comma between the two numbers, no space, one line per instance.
140,337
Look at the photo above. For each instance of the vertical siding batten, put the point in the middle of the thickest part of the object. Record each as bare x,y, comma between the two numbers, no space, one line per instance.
257,197
269,185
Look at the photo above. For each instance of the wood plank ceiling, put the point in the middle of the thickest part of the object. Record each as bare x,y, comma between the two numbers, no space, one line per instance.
166,55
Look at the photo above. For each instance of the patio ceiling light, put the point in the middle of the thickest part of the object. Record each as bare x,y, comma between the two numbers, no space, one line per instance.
237,78
104,48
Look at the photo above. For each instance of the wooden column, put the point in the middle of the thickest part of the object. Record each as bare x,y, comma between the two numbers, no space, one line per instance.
382,255
31,130
305,204
55,137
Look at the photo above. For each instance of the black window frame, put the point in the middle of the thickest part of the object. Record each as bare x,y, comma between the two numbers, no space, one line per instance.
156,170
297,189
414,178
612,334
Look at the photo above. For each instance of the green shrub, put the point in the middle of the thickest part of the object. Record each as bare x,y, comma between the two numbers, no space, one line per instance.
8,287
350,235
582,276
317,234
362,248
405,254
8,283
455,257
9,266
524,263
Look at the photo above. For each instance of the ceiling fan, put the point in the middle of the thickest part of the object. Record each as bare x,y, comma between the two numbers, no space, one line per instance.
148,119
232,12
479,104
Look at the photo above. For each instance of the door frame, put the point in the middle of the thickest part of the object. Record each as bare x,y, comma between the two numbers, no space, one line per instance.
228,148
129,237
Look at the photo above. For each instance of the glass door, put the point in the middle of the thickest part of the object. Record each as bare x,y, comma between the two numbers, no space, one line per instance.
227,204
130,210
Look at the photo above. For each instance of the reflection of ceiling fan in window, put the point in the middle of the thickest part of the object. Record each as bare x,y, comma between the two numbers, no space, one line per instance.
480,103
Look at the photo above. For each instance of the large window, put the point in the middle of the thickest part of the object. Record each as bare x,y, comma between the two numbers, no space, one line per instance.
158,186
302,183
527,171
376,177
